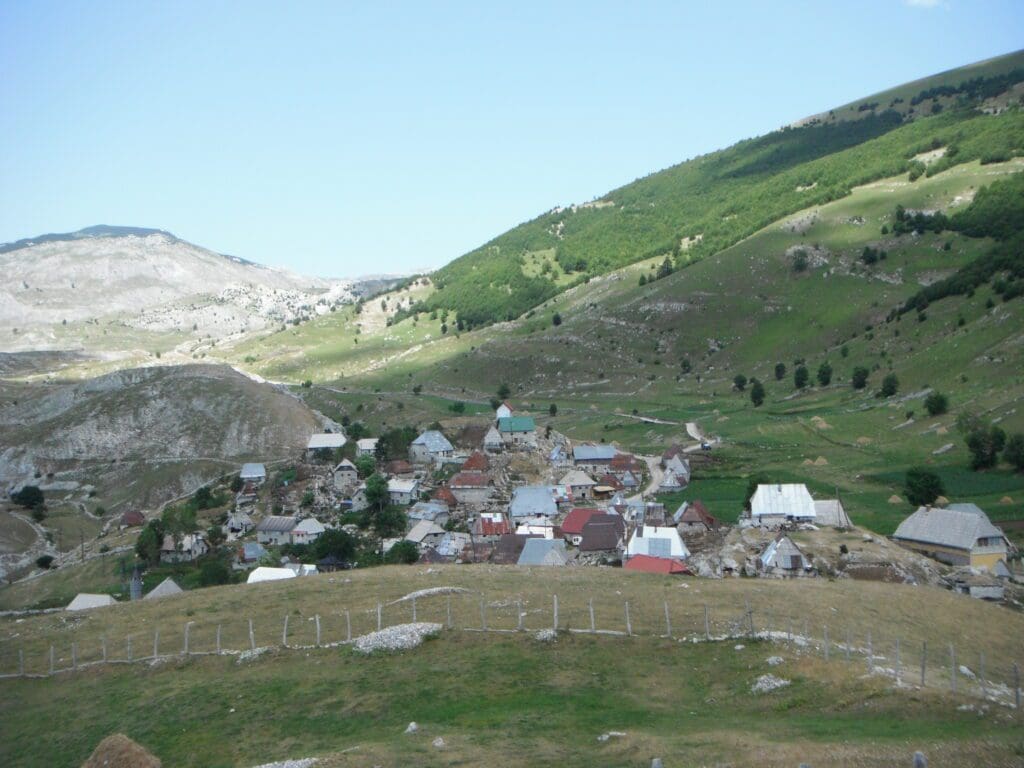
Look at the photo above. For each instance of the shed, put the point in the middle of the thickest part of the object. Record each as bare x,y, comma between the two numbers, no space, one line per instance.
165,588
783,557
830,512
266,573
84,601
543,552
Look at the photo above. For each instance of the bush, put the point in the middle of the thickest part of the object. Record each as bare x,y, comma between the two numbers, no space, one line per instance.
44,561
824,374
739,381
403,553
556,319
890,385
985,447
800,377
859,379
552,410
29,497
757,393
780,371
1014,452
922,486
936,404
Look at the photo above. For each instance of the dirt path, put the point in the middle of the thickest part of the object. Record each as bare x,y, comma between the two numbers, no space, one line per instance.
657,475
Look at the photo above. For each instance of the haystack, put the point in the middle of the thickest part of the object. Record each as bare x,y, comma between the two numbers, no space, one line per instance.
941,501
894,499
118,751
821,461
1006,500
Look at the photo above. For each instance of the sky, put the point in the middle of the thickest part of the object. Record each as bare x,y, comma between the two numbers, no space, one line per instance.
343,138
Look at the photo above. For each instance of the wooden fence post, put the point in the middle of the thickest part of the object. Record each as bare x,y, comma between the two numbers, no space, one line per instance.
129,648
952,667
924,660
414,610
871,654
103,646
629,625
483,614
218,639
981,674
897,662
188,627
519,615
849,641
21,663
74,655
1016,685
348,627
668,622
593,626
51,660
707,623
826,642
554,611
156,644
448,608
317,618
284,633
252,636
789,635
380,617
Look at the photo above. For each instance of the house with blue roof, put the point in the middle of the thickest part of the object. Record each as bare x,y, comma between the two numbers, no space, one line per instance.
432,447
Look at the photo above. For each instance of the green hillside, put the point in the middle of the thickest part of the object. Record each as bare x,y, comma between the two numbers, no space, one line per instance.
713,201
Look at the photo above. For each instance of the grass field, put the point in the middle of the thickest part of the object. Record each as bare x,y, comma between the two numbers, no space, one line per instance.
507,699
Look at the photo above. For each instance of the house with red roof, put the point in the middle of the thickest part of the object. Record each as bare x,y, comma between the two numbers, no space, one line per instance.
491,525
648,564
572,526
478,462
445,495
471,487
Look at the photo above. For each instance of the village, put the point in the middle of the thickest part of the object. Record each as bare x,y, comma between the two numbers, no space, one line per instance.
510,494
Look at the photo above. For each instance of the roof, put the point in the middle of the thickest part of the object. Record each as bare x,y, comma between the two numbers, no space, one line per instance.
434,441
452,543
831,512
543,552
625,461
509,547
508,405
577,518
478,462
85,600
188,541
165,588
603,533
594,452
694,512
445,495
657,541
958,526
575,478
309,525
427,510
673,450
680,466
530,500
325,440
252,470
422,529
252,550
491,524
648,564
628,480
265,573
671,481
470,480
516,424
367,443
346,464
133,517
779,552
399,467
275,524
493,437
782,500
398,485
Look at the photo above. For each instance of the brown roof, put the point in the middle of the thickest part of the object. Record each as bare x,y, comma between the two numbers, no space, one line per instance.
478,462
470,480
399,467
489,526
509,548
611,481
444,494
430,555
577,518
622,462
133,517
696,512
602,533
674,450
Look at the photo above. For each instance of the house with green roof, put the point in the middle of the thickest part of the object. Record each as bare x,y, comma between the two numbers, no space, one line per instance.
518,431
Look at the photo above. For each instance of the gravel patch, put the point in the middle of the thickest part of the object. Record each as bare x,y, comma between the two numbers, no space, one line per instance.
768,683
400,637
305,762
421,593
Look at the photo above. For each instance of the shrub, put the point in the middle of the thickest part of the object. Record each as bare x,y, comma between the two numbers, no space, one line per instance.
890,385
780,371
800,377
936,404
824,374
859,379
739,381
552,410
44,561
556,319
29,497
757,393
1014,452
922,486
985,447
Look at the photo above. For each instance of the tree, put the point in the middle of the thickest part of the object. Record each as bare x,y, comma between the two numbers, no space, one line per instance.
780,371
214,571
44,561
389,522
800,377
236,483
825,374
377,491
403,553
215,535
556,319
936,404
151,538
504,391
552,410
457,407
203,498
922,486
1013,453
757,393
336,542
29,497
890,385
365,465
985,446
739,381
859,379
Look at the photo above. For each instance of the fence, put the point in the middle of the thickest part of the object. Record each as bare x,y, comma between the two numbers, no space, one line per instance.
912,664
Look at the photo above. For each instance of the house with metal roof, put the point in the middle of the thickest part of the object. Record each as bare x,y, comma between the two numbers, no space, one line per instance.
778,503
579,486
693,517
434,511
532,501
425,533
266,573
275,530
185,550
248,555
831,512
430,447
402,491
307,531
543,552
367,446
656,541
593,458
504,411
572,526
253,473
603,535
84,601
324,441
518,431
670,482
346,476
165,588
648,564
491,525
471,487
783,558
680,467
492,441
960,534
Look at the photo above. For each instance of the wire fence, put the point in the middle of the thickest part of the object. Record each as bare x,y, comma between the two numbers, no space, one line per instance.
908,662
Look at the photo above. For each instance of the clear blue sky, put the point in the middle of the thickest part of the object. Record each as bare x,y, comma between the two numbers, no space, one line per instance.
348,138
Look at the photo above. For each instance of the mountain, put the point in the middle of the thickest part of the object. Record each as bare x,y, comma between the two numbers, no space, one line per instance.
104,288
709,203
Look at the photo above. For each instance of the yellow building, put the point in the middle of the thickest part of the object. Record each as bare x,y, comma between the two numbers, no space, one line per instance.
960,534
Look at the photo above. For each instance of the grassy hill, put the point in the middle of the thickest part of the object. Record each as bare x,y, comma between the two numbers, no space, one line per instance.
508,699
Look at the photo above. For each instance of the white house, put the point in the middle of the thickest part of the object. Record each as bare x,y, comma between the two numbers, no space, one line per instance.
275,530
425,533
783,558
578,485
253,473
191,546
238,524
492,441
680,467
403,492
518,431
329,441
430,447
774,504
346,476
657,541
367,446
504,411
532,501
307,531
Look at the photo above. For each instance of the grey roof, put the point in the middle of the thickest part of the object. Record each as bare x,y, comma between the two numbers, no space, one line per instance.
831,512
165,588
594,452
252,550
434,441
276,523
530,500
543,552
782,500
252,470
779,554
325,440
958,526
86,600
427,510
